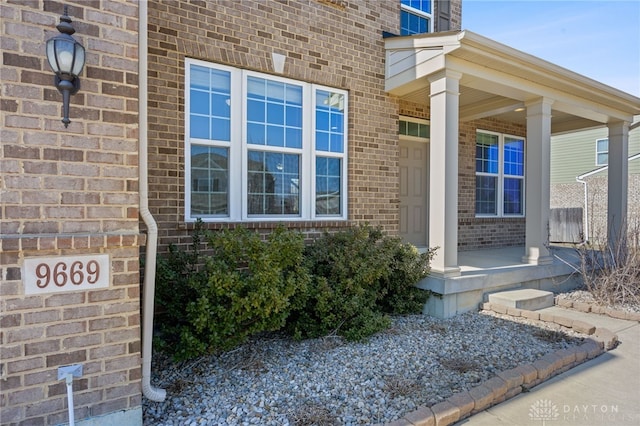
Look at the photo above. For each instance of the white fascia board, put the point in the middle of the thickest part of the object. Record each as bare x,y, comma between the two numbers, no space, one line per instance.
489,80
517,87
419,41
573,93
564,78
399,61
545,67
409,58
409,79
590,110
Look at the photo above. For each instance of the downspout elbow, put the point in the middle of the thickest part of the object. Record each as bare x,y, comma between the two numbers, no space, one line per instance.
150,392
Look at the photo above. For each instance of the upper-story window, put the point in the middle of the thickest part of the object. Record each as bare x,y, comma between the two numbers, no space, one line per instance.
499,174
260,147
602,152
416,17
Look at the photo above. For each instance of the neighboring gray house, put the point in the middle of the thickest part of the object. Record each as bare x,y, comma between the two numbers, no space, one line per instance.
579,164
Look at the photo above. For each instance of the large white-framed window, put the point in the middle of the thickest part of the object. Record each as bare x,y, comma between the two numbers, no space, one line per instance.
260,147
416,17
499,174
602,152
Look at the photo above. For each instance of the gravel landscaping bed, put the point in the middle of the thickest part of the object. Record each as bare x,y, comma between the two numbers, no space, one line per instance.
273,380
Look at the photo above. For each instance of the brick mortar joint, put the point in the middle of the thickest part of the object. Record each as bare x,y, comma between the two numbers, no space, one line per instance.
419,414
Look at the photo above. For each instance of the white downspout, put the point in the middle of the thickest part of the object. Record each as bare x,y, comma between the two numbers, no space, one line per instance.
151,393
586,208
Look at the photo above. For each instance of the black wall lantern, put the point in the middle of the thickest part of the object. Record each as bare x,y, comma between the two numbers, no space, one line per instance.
66,58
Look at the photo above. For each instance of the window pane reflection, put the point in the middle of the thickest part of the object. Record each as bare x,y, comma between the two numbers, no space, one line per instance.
273,183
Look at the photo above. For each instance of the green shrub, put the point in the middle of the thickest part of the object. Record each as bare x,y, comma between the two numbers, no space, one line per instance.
407,267
175,275
243,288
347,283
359,277
343,288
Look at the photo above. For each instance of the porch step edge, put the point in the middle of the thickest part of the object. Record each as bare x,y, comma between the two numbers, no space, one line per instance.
529,299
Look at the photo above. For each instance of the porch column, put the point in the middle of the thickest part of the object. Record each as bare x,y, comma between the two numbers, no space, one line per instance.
617,182
538,155
443,173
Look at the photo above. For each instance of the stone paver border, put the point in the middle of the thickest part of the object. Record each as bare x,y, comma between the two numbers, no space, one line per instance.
509,383
597,309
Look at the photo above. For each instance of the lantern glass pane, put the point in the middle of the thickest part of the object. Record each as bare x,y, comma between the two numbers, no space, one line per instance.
64,53
51,55
79,62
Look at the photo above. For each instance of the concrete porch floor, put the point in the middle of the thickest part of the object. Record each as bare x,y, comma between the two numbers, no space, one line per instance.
507,257
490,270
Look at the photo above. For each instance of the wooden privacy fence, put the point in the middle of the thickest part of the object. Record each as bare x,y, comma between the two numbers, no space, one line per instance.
565,225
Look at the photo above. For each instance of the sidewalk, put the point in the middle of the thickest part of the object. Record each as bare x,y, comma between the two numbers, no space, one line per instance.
602,391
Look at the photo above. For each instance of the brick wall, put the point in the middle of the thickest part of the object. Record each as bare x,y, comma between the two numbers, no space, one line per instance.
69,192
334,43
330,42
455,14
475,232
415,110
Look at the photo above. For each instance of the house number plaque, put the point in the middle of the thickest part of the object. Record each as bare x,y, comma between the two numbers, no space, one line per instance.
65,273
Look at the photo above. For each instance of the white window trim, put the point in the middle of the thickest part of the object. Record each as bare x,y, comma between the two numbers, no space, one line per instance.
343,156
598,163
501,175
421,13
239,148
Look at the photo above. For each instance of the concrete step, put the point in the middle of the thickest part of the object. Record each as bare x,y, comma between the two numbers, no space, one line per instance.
528,299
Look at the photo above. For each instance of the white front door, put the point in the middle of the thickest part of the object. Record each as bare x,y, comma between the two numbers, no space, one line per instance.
414,195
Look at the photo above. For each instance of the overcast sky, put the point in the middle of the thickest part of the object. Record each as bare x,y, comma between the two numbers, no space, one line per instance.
598,39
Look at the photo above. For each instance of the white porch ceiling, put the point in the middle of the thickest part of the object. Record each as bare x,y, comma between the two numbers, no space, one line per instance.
476,104
497,80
